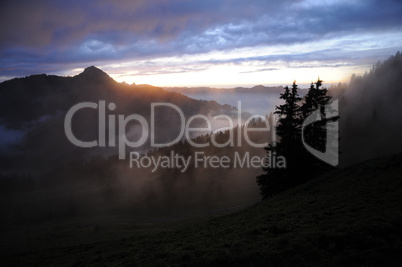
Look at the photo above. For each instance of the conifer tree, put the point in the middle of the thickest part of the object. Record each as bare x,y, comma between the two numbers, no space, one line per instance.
301,165
315,134
288,145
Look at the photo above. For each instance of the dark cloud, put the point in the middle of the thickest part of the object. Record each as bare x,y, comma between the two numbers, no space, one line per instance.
46,35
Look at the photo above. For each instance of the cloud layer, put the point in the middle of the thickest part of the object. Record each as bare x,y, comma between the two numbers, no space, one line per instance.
58,36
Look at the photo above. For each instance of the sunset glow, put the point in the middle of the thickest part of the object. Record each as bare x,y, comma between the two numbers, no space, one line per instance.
176,43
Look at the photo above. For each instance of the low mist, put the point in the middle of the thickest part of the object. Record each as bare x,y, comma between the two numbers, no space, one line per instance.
371,112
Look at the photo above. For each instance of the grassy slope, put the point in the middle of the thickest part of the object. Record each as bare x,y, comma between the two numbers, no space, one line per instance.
348,217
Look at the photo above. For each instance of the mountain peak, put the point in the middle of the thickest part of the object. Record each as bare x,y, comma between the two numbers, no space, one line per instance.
92,70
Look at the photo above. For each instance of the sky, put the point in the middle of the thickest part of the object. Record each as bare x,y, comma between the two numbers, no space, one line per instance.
199,43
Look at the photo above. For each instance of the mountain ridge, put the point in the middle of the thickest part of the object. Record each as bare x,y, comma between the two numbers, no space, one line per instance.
37,104
276,90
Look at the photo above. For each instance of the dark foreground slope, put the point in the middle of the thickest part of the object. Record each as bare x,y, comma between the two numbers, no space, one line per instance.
349,217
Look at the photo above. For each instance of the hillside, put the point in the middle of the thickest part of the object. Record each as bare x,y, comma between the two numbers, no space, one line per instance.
36,106
348,217
371,111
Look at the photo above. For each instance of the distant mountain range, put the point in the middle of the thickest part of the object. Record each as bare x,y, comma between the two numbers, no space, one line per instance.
276,90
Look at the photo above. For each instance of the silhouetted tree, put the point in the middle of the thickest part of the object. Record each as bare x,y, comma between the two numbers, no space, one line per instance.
289,123
316,99
301,165
289,145
315,134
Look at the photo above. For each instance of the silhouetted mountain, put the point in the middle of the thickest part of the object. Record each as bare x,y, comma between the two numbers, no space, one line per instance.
93,72
38,104
260,89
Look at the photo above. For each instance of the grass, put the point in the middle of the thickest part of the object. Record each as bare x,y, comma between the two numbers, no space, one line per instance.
349,217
